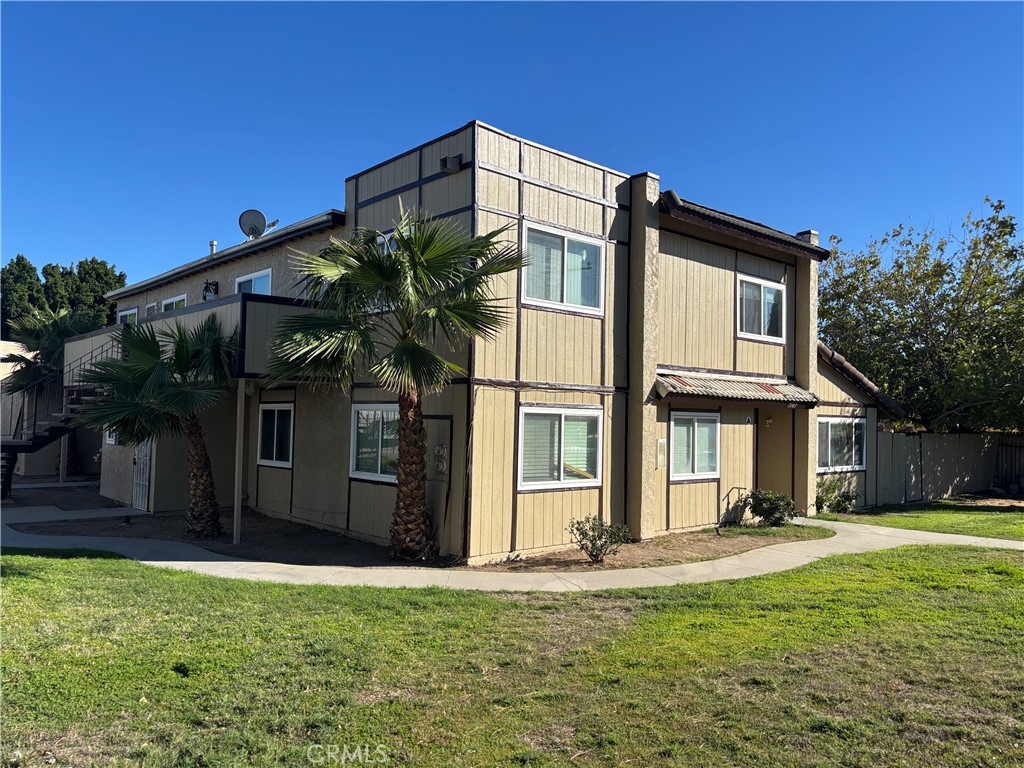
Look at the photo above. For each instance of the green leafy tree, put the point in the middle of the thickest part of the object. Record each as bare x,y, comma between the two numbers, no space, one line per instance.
21,292
385,304
159,386
935,320
81,288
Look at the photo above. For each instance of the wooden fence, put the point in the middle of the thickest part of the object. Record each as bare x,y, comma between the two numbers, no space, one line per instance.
927,466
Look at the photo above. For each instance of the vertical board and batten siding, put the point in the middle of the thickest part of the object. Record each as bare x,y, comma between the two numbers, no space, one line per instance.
697,289
519,183
542,517
372,504
841,397
689,505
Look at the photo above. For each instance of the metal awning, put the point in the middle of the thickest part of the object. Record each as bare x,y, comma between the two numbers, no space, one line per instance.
674,385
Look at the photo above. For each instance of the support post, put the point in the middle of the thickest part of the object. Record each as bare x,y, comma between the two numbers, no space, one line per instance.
236,537
64,441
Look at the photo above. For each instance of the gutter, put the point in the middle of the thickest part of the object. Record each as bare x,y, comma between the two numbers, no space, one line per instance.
318,223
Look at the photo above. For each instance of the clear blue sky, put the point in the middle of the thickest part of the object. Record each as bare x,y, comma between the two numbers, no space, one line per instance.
138,132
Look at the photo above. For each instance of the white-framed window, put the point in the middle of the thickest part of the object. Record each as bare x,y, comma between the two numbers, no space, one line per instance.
275,442
560,447
257,282
110,437
151,309
761,310
128,316
841,444
564,270
374,442
695,446
178,302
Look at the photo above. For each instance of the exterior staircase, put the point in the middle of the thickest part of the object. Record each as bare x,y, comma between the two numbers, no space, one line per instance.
48,413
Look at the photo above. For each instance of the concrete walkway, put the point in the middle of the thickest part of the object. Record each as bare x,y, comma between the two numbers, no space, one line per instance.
849,538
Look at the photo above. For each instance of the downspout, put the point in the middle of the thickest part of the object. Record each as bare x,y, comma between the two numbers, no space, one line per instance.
236,537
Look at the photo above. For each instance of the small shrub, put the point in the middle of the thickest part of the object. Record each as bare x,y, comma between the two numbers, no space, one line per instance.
835,497
596,538
771,508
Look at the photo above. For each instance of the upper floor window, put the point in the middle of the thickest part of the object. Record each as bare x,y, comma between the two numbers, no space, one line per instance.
257,282
841,444
566,270
151,309
695,449
128,316
761,309
178,302
375,442
276,434
559,447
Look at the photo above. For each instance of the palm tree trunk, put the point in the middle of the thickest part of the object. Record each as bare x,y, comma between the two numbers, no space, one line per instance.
411,526
202,516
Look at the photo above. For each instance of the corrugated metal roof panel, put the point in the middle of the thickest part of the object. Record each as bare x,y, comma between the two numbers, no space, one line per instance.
682,385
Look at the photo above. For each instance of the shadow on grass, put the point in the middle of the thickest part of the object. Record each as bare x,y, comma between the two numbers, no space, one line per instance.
951,507
63,554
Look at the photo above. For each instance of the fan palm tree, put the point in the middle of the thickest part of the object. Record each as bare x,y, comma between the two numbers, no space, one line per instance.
158,386
43,333
384,303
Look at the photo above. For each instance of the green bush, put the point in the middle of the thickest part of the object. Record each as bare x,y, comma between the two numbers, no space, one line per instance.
771,508
834,496
597,538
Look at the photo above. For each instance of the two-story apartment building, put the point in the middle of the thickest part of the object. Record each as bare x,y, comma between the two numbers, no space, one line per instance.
660,360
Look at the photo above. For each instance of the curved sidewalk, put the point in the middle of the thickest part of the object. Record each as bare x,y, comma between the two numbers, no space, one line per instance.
849,538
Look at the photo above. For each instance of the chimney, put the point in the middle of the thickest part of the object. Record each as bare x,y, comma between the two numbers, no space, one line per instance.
213,245
809,236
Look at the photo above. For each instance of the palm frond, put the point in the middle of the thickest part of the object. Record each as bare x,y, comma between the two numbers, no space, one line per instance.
413,366
322,349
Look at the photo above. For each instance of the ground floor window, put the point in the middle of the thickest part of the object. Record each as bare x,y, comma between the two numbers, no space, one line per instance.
841,444
276,434
375,442
695,445
559,447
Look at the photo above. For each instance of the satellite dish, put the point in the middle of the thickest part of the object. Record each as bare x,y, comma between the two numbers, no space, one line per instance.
253,223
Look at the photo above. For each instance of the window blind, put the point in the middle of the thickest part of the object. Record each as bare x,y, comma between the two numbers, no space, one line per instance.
541,447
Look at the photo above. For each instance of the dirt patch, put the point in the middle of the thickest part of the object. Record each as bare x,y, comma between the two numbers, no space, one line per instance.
271,539
665,550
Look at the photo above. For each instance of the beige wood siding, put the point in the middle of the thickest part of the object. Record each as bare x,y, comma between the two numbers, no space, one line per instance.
542,517
561,210
373,507
277,259
561,348
562,171
833,387
696,504
698,284
497,149
696,303
775,450
494,446
460,143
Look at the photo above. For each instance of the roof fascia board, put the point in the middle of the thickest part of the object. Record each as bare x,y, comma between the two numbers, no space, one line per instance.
302,228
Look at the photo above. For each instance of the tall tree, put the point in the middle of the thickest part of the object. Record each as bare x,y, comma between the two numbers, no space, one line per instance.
21,292
94,278
385,304
935,320
158,386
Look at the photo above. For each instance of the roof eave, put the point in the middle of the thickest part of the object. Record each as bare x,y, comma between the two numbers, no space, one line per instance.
848,371
672,205
317,223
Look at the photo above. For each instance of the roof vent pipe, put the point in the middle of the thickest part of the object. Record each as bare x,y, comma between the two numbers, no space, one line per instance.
213,247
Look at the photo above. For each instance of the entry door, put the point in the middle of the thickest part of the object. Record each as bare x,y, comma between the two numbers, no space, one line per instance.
140,476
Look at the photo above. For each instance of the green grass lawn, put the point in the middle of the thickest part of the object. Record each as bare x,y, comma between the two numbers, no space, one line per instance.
944,517
907,657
